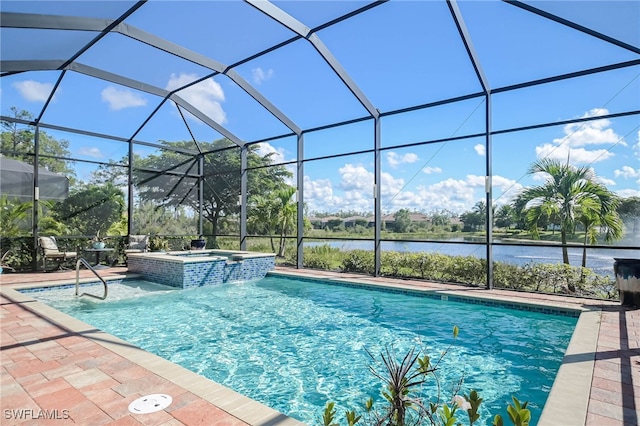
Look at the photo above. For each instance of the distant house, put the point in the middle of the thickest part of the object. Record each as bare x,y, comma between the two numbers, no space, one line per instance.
419,217
388,220
350,222
456,221
321,222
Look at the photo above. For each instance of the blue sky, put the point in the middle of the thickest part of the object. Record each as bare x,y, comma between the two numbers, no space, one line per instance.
400,54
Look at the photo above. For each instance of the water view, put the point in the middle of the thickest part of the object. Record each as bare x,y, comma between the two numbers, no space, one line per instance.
599,260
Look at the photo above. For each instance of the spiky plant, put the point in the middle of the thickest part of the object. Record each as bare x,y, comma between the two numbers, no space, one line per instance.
401,381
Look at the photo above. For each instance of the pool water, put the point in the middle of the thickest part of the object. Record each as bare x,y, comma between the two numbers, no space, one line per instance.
294,344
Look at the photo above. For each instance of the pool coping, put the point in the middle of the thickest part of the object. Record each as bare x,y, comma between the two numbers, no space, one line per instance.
568,399
199,256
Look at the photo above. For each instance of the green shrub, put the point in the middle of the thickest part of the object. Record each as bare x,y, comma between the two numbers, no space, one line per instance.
322,257
359,261
537,277
317,262
20,256
467,270
394,263
553,278
262,246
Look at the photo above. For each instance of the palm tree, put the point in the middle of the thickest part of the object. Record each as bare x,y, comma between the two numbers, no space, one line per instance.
286,216
14,217
572,194
593,220
274,214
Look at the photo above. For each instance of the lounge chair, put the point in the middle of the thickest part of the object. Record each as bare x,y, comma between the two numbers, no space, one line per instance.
136,244
50,250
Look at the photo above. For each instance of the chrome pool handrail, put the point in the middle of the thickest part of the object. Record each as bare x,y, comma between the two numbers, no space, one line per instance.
85,263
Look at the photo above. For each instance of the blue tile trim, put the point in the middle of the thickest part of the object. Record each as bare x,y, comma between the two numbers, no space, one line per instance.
65,286
430,294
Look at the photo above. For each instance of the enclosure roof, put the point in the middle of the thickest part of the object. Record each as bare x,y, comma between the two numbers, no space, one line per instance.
252,71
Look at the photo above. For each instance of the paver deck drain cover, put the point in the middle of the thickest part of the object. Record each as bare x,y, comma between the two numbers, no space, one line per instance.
150,403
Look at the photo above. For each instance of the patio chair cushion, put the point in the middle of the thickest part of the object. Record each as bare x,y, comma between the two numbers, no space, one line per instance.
49,245
50,249
138,243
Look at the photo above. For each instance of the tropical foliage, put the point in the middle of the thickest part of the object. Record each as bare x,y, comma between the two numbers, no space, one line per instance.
470,270
405,402
157,182
91,210
274,214
18,142
629,211
14,217
571,195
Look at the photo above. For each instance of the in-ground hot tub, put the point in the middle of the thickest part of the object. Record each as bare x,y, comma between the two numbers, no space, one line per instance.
198,268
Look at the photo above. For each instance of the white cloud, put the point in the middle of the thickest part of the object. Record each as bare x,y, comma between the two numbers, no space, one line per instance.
628,193
206,95
480,149
579,136
355,178
605,181
34,91
356,186
321,188
358,178
476,181
395,160
455,195
357,200
122,98
430,170
575,155
627,172
318,195
539,177
260,75
402,200
277,154
504,189
390,185
595,132
91,151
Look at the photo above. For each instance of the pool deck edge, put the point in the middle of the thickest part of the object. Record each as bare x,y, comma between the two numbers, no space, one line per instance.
569,396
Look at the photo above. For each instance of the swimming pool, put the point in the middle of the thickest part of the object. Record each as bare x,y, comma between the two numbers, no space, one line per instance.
295,344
